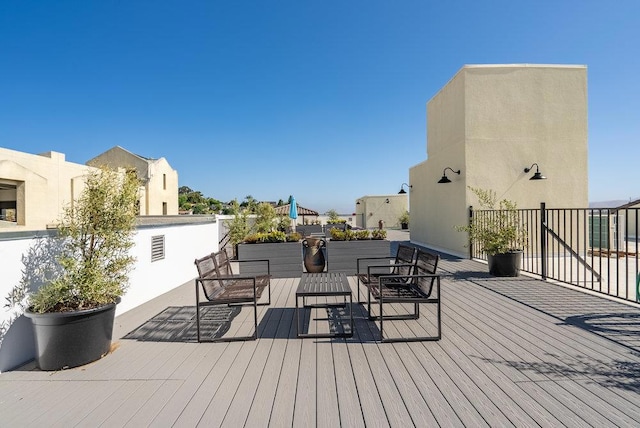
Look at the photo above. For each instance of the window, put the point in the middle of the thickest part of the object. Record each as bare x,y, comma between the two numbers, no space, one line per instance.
164,208
164,181
157,248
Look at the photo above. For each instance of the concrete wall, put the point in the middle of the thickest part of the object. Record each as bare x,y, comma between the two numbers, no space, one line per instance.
491,122
183,244
372,209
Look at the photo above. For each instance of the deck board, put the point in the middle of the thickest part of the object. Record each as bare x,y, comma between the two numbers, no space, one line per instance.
514,352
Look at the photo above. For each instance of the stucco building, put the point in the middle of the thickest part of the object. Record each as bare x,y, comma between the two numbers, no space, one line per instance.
160,181
490,122
371,209
34,189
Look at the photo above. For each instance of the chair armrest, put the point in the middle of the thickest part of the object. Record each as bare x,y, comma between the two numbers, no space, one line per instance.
384,279
370,258
229,277
391,276
391,265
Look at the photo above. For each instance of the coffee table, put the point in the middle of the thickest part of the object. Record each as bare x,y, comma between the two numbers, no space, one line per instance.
325,284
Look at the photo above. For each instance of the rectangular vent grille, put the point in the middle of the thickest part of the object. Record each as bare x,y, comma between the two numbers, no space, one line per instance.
157,248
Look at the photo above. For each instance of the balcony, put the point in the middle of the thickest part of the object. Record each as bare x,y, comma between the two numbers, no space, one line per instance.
514,352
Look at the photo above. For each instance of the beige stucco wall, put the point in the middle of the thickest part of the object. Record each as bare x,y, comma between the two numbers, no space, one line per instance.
157,193
45,184
160,180
372,209
491,122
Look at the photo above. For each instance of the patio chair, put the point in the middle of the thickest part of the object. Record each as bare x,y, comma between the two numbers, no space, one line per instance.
415,288
220,286
403,264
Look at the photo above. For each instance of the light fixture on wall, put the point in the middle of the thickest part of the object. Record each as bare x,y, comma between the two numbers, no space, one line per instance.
358,203
402,191
444,178
537,175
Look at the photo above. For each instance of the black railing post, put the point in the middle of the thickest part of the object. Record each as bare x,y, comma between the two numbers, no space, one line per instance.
543,239
470,223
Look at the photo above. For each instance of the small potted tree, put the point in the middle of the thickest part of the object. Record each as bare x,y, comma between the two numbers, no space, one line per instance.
404,220
501,235
73,313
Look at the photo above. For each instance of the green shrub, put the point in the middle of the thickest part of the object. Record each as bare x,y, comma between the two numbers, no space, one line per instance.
96,233
501,232
262,237
294,237
238,227
334,218
362,234
337,234
378,234
404,217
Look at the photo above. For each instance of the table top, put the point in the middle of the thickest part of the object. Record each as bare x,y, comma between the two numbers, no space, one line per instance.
323,284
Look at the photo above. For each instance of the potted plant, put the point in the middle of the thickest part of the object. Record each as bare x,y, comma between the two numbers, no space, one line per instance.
404,220
73,313
501,235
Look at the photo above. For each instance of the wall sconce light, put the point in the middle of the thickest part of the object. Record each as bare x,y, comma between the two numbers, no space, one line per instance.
386,201
402,191
537,175
358,203
444,178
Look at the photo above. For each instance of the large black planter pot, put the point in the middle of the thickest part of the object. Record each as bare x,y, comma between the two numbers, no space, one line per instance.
404,226
507,264
71,339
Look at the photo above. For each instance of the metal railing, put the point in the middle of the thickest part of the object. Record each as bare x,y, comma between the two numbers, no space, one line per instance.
591,248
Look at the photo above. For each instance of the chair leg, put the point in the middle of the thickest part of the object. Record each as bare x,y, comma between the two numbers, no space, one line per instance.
197,312
268,302
381,320
255,314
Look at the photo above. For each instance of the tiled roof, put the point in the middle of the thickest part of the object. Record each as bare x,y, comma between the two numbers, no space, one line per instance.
284,210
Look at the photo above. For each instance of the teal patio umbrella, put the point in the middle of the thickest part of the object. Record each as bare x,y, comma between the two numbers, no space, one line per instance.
293,212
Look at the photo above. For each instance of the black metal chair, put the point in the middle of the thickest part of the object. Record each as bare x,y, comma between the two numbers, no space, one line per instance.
221,287
422,286
403,264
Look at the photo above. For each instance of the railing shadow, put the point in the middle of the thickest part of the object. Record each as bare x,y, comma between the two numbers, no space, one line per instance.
624,375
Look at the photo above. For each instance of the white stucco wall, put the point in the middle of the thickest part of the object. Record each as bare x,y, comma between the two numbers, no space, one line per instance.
183,244
491,122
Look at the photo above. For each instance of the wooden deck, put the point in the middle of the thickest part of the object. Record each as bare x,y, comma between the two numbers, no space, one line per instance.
515,352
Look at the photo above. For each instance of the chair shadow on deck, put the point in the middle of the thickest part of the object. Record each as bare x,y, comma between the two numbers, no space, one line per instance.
177,324
334,318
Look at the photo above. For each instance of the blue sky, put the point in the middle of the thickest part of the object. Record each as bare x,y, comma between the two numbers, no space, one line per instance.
322,99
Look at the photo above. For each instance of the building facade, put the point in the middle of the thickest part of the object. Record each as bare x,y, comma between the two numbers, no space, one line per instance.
371,210
35,189
490,122
160,181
